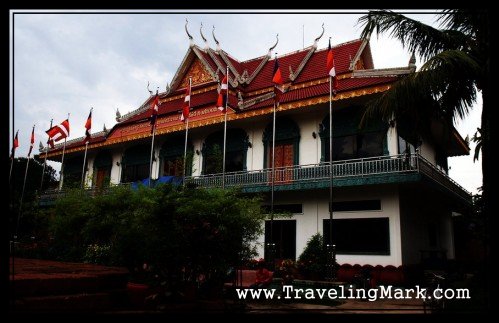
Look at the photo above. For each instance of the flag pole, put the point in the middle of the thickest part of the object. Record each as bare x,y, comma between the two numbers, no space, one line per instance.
12,156
61,177
225,129
45,159
272,188
22,192
11,164
331,246
87,139
152,151
83,170
187,131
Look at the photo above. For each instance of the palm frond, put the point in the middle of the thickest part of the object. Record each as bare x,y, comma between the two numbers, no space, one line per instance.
444,87
418,37
467,21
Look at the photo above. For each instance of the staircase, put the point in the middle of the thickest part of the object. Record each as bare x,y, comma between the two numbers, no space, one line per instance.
51,286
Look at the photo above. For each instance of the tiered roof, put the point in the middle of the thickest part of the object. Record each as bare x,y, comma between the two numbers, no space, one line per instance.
251,89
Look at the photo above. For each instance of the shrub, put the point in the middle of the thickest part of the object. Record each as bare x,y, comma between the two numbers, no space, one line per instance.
312,262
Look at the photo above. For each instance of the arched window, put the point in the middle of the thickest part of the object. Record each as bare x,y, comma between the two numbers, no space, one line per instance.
172,156
73,167
235,151
349,140
135,163
287,140
102,168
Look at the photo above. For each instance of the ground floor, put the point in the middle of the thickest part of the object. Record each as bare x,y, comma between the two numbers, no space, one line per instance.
372,225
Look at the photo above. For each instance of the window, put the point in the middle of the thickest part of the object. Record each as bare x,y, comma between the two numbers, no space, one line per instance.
364,205
361,145
235,151
135,163
133,173
369,236
406,147
285,208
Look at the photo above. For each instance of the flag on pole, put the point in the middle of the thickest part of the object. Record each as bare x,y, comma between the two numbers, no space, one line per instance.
278,81
154,111
276,75
58,132
88,126
187,104
15,144
32,142
330,66
223,95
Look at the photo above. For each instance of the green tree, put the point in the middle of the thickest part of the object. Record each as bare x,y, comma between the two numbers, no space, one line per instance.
457,64
29,216
181,234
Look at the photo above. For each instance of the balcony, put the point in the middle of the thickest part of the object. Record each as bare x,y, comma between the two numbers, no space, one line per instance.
353,172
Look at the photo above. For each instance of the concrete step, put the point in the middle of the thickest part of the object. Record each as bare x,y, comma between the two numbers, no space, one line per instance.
83,302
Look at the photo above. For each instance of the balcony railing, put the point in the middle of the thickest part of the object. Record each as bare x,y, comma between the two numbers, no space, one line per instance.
351,168
362,168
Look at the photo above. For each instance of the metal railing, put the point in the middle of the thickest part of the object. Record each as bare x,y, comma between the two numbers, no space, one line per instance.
351,168
313,172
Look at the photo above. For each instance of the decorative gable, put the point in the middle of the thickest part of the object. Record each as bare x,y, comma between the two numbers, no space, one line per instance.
198,73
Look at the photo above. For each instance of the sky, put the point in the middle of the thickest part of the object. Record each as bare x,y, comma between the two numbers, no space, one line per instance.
69,62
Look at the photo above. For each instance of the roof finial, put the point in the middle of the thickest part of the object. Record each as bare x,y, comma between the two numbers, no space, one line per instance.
272,48
320,36
118,115
202,36
191,39
412,61
150,92
214,38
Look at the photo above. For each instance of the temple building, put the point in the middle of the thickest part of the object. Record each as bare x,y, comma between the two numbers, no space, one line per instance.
393,198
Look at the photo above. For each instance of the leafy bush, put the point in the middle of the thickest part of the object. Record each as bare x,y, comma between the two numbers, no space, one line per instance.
312,262
181,234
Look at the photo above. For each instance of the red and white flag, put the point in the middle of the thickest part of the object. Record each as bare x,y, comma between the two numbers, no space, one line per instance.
278,82
331,69
15,144
58,132
32,141
187,104
88,126
154,111
223,95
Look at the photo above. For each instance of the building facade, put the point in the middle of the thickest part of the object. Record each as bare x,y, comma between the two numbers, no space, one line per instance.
393,200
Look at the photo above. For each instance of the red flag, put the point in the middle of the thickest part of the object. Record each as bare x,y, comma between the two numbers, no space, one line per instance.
58,132
278,81
187,104
88,125
276,75
32,142
154,111
15,144
330,66
223,95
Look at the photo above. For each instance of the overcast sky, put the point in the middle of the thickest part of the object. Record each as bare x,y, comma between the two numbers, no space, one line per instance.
67,63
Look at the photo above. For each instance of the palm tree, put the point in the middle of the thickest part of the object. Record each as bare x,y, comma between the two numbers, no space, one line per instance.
456,69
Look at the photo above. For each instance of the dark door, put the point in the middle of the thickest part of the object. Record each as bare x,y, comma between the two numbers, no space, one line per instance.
284,237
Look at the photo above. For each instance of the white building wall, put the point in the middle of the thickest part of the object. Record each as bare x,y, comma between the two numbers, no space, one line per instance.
428,151
254,158
90,171
309,151
115,169
315,210
392,141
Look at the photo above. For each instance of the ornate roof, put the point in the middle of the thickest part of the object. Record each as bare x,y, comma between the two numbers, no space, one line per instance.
251,90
